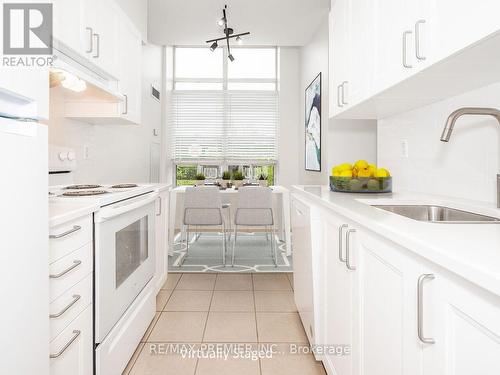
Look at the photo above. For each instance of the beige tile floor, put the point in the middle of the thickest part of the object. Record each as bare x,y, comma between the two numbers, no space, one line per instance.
201,309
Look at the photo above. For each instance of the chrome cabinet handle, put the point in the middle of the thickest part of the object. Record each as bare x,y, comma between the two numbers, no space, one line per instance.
341,229
98,45
71,341
76,298
339,104
420,308
91,32
343,92
417,40
405,63
75,228
348,250
76,263
126,104
159,207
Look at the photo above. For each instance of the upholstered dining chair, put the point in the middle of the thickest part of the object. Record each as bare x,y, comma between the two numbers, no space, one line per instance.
255,209
203,207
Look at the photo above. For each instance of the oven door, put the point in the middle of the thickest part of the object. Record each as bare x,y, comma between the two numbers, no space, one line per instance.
124,256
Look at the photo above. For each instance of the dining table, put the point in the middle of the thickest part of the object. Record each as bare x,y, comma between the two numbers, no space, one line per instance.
281,204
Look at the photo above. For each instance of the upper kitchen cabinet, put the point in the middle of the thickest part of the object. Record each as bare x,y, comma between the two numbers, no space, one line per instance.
130,76
351,53
423,51
90,29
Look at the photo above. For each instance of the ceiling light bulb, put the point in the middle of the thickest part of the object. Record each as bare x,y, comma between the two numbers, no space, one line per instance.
230,57
213,46
221,22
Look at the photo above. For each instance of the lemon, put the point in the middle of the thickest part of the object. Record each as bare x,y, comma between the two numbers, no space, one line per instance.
372,168
344,167
382,172
365,172
361,164
354,172
346,173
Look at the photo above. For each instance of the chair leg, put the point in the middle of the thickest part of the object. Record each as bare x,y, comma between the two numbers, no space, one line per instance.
234,243
267,234
273,242
224,245
187,247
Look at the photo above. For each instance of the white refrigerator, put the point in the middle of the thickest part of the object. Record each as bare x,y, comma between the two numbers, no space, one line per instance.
24,281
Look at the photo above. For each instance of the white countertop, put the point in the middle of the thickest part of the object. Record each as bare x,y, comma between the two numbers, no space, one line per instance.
469,250
62,212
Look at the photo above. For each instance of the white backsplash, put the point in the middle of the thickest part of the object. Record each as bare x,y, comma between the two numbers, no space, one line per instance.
466,167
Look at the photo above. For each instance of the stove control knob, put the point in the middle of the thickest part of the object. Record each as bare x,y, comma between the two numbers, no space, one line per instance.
71,155
63,156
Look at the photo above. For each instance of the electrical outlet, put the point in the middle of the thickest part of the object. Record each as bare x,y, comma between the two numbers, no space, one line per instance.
404,148
86,152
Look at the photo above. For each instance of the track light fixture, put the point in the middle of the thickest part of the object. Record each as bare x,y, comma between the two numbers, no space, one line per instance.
228,34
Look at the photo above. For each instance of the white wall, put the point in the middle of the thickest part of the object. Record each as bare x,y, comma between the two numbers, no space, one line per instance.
466,167
343,141
117,153
137,11
290,115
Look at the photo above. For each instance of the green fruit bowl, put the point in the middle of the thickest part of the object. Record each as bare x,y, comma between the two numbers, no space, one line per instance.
361,184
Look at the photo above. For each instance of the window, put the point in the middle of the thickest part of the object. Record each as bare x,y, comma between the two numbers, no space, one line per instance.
224,113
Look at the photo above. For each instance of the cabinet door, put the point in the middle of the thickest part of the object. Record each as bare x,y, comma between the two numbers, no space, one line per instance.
130,75
107,28
161,256
464,322
339,295
69,26
340,55
394,49
73,347
387,290
462,23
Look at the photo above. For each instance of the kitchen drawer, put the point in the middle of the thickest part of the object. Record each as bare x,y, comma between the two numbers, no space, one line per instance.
69,236
70,270
69,305
71,352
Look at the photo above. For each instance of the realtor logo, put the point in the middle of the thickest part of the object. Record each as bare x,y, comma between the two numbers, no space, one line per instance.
27,29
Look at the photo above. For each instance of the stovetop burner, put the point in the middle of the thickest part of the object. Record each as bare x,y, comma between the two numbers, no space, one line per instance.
124,186
84,193
82,186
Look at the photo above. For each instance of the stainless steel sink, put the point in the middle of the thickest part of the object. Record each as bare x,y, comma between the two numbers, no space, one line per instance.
437,214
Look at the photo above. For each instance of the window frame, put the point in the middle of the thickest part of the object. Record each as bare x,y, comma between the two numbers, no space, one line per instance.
224,165
225,79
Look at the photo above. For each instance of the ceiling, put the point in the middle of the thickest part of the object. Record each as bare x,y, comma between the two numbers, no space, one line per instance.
270,22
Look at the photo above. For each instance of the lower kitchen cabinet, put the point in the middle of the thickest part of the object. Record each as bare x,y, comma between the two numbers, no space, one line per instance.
71,352
161,256
464,323
399,313
339,293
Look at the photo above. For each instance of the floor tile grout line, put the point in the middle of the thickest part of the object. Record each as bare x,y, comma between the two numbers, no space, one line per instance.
256,325
141,345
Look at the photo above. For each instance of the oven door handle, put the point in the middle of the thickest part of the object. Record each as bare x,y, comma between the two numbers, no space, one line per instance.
110,212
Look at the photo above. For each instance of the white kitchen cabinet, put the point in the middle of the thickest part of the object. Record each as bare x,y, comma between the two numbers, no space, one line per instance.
460,24
387,309
161,256
90,28
339,294
69,25
463,321
72,351
130,77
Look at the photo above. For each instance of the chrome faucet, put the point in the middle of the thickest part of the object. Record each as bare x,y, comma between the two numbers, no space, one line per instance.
455,115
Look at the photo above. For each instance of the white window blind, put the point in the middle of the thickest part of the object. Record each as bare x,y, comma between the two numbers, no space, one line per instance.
224,126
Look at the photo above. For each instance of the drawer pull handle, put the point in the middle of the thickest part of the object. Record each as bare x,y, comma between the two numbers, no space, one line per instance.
76,298
341,229
76,263
420,308
75,228
60,352
348,250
